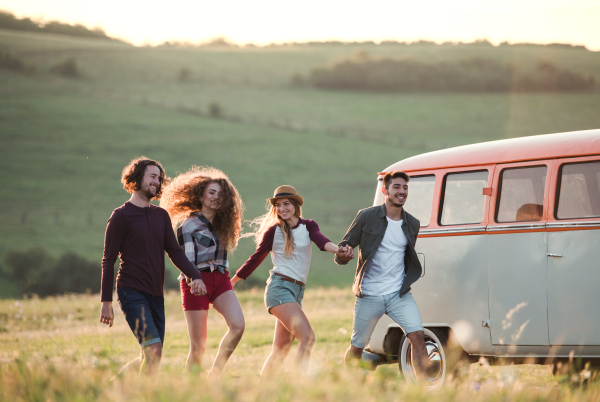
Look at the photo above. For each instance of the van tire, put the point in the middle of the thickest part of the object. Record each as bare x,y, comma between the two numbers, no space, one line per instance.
435,342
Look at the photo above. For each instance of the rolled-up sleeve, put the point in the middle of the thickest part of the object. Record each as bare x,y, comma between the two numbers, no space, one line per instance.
352,236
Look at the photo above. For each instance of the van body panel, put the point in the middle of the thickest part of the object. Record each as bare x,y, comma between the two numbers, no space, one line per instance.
573,280
455,287
517,288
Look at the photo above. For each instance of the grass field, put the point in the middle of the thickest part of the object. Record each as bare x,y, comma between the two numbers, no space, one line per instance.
65,141
55,349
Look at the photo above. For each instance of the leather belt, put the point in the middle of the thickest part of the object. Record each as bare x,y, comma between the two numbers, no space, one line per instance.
288,279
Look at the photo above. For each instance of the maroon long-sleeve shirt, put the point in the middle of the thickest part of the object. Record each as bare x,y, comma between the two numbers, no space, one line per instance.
140,237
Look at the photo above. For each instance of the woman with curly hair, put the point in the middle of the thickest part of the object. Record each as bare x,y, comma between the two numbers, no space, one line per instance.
287,236
207,210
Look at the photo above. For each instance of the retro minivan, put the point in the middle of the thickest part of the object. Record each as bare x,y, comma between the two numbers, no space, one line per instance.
510,248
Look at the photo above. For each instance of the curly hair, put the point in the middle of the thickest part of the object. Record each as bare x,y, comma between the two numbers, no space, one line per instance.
133,174
266,221
184,196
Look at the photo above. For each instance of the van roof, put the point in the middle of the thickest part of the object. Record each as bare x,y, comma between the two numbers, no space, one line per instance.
548,146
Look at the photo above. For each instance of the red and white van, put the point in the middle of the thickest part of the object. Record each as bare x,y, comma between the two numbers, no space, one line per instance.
510,246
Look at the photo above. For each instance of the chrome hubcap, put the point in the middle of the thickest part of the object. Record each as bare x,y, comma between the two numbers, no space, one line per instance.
436,363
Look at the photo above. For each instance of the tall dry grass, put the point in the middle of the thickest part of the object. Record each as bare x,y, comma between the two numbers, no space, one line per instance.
55,349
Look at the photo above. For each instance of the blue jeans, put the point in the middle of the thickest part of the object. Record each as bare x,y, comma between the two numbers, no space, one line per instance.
144,313
369,309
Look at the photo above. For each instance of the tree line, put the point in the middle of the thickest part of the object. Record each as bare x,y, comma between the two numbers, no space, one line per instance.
9,21
35,271
363,73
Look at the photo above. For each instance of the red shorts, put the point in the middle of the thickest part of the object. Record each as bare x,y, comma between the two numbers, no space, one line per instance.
216,284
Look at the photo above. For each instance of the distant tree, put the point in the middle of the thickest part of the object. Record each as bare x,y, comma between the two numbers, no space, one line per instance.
219,41
9,21
361,72
67,68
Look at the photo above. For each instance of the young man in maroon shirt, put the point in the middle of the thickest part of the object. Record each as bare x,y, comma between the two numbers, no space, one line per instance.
139,233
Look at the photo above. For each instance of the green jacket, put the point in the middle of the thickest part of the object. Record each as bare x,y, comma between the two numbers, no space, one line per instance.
367,231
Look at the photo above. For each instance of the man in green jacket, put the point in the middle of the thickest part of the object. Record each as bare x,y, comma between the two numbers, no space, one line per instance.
387,266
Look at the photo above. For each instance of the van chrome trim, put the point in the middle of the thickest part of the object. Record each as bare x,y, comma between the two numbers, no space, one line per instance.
452,230
573,224
516,227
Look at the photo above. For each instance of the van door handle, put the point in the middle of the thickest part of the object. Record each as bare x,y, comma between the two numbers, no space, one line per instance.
554,255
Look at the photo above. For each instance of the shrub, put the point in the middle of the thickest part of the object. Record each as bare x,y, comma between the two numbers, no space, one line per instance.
9,62
214,109
474,75
36,272
67,68
184,74
298,80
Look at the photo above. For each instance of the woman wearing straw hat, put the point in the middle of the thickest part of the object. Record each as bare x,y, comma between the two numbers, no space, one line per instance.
287,236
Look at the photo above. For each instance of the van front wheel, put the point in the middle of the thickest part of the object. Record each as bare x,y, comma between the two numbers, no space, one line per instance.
435,341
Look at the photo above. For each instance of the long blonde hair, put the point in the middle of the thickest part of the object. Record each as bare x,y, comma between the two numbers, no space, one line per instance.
266,221
183,196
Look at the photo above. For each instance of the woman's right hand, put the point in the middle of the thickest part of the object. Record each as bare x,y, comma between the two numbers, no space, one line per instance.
235,280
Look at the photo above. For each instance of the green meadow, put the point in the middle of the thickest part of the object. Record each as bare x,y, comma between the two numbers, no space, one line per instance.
56,349
65,140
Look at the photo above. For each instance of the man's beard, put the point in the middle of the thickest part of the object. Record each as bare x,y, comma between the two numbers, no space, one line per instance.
147,194
395,203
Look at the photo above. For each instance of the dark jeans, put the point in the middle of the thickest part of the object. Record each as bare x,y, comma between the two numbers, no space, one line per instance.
144,313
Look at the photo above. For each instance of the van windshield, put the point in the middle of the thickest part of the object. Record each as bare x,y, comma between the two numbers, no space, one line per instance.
420,198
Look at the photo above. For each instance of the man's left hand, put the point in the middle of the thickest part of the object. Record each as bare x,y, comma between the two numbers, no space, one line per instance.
345,253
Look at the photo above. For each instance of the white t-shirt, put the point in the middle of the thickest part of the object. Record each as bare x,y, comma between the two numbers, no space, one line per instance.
385,273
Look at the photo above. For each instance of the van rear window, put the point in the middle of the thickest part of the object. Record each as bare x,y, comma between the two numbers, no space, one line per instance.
579,195
420,198
521,194
464,202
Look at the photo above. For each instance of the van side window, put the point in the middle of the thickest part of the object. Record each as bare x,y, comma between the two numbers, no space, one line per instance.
521,194
579,194
420,198
464,202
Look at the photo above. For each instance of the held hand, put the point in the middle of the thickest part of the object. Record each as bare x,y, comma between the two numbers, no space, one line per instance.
235,280
345,253
197,287
106,314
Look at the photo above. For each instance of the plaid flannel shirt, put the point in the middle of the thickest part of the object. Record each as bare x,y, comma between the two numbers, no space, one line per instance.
201,245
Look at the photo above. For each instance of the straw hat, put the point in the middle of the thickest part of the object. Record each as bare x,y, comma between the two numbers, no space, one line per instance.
286,192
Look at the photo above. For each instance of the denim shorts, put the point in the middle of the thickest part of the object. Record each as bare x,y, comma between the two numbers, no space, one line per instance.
369,309
144,313
279,292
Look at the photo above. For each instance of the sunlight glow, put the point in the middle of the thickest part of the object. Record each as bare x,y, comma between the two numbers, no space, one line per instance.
266,21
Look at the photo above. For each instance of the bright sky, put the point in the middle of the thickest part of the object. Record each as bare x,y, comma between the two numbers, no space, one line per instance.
266,21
